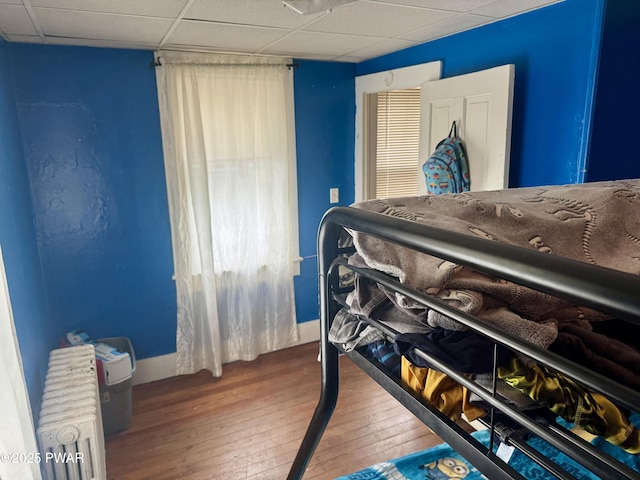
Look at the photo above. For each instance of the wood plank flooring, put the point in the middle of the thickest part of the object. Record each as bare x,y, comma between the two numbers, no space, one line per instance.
249,423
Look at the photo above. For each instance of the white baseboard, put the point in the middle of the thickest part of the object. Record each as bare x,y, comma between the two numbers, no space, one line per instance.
155,368
164,366
308,332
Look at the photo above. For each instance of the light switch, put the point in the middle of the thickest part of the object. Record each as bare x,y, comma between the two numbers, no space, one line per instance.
334,195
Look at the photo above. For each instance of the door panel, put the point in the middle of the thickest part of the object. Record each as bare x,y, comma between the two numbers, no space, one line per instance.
476,140
481,103
441,112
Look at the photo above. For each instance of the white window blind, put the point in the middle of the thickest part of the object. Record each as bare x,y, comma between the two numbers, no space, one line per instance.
397,141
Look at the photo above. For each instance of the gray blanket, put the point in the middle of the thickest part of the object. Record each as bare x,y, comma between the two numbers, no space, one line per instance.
597,223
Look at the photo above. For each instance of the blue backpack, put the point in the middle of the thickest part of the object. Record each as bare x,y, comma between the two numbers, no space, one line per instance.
447,169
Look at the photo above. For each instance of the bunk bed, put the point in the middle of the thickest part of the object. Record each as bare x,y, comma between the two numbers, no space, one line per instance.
573,252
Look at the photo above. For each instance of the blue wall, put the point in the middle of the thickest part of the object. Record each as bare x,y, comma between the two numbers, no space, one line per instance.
613,150
18,241
555,52
325,126
92,143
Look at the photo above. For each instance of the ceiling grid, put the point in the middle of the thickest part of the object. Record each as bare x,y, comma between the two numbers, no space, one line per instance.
350,33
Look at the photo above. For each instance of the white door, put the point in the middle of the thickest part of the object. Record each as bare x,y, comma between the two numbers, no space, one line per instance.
481,104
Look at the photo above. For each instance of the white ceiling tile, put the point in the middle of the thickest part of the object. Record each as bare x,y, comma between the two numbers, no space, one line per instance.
308,56
266,13
349,59
448,5
363,30
87,42
507,8
376,19
150,8
320,44
446,27
382,48
222,36
101,26
25,39
14,20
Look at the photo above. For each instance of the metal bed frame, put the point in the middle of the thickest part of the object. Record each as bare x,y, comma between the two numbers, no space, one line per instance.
599,288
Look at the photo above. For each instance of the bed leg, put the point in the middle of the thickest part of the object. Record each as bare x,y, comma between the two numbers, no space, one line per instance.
324,410
328,239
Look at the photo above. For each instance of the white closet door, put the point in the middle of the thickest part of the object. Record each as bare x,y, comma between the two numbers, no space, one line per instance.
481,104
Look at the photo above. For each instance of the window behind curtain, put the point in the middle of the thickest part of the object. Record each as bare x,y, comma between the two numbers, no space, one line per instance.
393,142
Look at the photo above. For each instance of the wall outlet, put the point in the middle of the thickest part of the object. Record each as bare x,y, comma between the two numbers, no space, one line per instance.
334,195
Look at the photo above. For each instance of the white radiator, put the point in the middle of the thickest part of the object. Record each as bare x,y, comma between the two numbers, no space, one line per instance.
70,429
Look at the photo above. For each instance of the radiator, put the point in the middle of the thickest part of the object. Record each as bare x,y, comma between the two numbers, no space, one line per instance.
70,431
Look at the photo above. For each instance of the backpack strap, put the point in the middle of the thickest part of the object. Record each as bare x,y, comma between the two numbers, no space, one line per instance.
453,133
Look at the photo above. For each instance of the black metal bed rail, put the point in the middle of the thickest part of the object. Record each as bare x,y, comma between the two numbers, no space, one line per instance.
512,438
603,289
625,396
481,456
588,285
582,452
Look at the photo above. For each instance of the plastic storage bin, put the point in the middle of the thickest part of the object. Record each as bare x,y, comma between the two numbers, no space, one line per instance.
115,399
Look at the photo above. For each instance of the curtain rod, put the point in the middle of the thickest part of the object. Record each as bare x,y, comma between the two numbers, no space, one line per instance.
157,63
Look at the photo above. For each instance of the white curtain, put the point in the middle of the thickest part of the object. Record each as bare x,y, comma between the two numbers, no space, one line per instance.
16,424
228,140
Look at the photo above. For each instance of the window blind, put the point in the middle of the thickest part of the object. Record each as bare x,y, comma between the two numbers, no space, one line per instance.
397,142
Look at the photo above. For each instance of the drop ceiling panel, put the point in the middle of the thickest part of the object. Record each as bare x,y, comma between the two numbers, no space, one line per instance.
447,5
150,8
87,42
249,12
376,19
224,36
320,44
25,38
507,8
14,20
381,48
443,28
352,33
102,26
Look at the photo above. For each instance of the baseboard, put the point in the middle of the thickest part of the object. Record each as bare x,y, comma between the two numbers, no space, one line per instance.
308,332
164,366
154,368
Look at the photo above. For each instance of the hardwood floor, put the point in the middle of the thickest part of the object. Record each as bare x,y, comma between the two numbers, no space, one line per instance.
248,424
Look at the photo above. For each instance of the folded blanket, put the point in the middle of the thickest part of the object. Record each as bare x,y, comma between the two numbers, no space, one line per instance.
351,332
597,223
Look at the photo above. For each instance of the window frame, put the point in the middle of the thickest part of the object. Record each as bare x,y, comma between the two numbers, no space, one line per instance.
407,77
